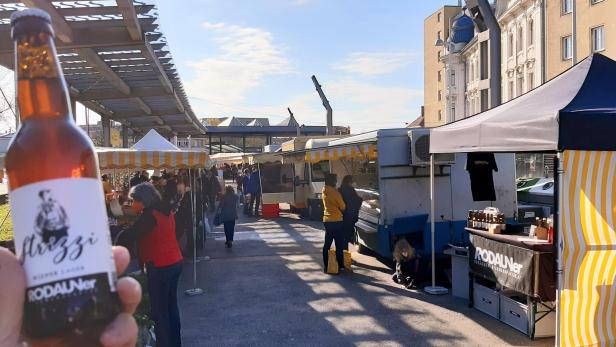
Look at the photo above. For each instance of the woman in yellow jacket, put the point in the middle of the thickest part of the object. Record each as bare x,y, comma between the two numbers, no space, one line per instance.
332,219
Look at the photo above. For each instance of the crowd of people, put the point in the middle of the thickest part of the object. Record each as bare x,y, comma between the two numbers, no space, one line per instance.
170,207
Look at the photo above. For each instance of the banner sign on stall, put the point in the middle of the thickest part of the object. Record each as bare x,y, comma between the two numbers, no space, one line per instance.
503,263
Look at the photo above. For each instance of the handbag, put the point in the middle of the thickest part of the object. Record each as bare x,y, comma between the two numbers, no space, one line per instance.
218,217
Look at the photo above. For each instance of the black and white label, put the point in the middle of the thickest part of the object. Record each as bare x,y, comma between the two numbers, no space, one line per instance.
62,238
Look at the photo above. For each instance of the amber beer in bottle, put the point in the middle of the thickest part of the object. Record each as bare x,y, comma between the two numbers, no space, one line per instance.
59,216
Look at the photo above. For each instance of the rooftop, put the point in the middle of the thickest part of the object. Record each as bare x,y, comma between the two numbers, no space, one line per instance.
115,60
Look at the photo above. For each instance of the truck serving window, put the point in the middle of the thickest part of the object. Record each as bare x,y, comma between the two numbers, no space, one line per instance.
319,170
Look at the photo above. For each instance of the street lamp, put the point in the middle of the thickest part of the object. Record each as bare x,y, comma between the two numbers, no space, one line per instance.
439,42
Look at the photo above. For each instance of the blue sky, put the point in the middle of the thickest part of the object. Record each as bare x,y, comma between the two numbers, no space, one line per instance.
255,57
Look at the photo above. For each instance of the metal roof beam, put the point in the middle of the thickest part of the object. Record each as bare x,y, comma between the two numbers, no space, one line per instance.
149,54
61,28
107,94
117,38
160,113
93,58
130,18
142,105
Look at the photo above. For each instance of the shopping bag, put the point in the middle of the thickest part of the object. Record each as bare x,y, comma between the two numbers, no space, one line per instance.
332,263
206,225
218,217
348,260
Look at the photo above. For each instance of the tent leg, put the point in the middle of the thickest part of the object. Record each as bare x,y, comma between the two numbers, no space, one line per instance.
194,290
203,212
558,239
433,289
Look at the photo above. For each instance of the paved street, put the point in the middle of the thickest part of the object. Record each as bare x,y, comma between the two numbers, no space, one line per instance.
269,290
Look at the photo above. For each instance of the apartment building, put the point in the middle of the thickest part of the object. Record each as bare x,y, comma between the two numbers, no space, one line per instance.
456,53
436,33
522,28
595,26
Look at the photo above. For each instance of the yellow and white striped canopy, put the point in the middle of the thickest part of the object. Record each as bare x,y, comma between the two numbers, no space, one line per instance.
358,151
121,158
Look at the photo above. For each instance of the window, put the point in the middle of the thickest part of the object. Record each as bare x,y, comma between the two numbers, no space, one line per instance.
438,56
439,95
439,75
510,91
440,117
598,39
453,78
567,47
520,85
520,42
438,19
453,113
531,81
510,44
531,32
567,6
438,35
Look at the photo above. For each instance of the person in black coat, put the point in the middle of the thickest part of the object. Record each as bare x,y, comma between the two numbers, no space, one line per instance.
353,203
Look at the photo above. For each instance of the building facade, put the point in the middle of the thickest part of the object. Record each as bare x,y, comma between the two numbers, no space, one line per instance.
436,33
596,32
522,40
462,33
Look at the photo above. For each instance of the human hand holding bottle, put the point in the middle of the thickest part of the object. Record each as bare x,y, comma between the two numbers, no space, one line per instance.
121,332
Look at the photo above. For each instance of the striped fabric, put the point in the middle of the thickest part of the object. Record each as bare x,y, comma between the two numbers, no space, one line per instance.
138,159
360,151
588,209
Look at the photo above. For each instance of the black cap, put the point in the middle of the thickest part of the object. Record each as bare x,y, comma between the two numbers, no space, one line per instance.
30,20
30,13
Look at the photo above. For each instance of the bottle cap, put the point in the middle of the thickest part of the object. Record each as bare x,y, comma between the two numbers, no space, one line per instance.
29,13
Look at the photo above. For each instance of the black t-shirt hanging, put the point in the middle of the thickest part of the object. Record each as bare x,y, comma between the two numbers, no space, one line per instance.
480,167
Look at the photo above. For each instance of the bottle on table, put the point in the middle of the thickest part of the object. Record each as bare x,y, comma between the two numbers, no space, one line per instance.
58,209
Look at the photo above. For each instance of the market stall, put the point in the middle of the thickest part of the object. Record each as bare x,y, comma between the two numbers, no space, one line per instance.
390,168
574,115
153,152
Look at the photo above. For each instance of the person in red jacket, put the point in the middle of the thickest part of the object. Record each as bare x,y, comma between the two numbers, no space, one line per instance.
160,253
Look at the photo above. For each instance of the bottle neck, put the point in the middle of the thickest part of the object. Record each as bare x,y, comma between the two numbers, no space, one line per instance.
41,90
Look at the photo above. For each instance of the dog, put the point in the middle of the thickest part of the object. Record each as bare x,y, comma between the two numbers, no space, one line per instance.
407,264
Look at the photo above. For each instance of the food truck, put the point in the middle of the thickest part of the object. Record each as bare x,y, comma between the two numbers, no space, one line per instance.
390,168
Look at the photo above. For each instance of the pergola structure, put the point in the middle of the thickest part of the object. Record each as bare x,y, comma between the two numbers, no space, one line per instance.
116,62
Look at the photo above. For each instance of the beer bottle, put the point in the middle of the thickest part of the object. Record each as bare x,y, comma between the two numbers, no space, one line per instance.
59,216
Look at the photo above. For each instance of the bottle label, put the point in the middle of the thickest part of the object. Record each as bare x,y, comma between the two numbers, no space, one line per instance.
62,238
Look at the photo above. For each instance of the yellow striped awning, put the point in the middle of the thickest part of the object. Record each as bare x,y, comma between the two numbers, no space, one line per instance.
121,158
357,151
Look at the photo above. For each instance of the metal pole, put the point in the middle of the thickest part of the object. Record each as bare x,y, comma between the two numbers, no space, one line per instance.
573,33
558,240
432,211
433,289
330,123
194,291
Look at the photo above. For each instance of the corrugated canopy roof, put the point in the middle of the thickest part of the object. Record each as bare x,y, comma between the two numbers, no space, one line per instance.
115,60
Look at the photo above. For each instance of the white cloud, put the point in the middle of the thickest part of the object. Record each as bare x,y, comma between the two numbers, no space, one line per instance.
374,63
247,55
361,105
301,2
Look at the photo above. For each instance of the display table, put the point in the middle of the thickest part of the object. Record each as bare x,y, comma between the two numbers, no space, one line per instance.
512,278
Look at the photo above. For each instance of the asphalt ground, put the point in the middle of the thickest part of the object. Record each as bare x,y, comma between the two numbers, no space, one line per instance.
270,290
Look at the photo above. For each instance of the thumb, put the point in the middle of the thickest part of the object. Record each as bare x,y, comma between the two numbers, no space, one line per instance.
12,289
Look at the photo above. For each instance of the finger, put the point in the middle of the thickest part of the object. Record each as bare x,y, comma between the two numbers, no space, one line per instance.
122,332
121,258
129,291
12,289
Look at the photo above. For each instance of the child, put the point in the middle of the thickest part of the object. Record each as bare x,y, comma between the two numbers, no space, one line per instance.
407,264
228,211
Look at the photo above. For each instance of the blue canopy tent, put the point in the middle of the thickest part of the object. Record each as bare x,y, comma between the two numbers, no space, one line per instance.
574,114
